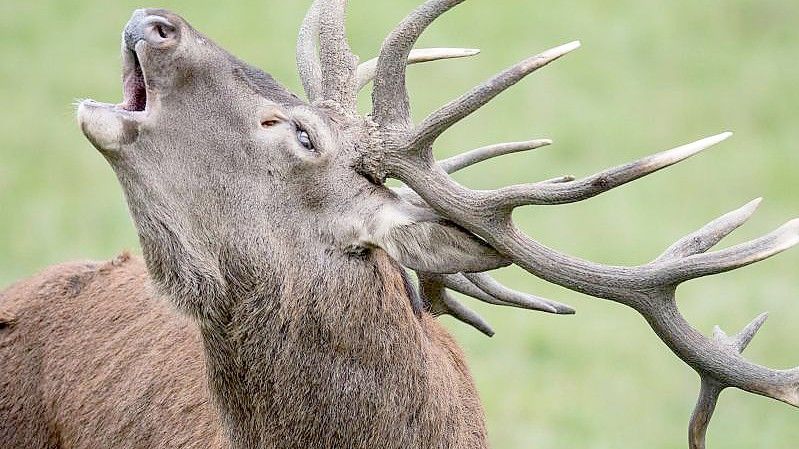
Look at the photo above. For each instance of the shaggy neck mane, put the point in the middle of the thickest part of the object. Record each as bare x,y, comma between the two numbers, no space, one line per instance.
301,358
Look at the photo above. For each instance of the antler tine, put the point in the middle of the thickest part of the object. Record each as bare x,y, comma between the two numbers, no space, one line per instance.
561,190
432,288
338,62
458,282
483,287
466,315
478,155
439,121
514,298
570,192
367,70
680,270
745,336
308,55
711,234
390,104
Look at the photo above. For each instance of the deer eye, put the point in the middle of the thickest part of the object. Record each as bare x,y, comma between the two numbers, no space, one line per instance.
305,140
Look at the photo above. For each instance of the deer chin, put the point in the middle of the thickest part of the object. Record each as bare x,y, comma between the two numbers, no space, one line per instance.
107,126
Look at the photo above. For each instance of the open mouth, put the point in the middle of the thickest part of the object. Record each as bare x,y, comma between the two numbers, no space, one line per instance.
134,84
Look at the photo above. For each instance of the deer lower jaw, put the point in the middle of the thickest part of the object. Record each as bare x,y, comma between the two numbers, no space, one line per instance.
108,126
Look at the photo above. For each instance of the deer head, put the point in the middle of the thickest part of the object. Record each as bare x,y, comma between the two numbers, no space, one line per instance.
226,172
219,161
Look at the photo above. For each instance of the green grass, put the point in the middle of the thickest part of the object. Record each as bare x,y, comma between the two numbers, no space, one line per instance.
651,75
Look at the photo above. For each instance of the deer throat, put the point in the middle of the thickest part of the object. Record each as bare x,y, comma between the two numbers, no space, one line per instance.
340,359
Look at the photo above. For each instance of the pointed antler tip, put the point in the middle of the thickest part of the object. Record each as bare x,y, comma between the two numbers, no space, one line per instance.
543,307
743,214
757,322
685,151
566,310
748,209
708,142
790,234
537,143
562,49
426,54
755,203
743,338
718,138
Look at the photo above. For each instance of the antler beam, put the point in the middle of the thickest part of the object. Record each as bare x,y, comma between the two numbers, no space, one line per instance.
710,389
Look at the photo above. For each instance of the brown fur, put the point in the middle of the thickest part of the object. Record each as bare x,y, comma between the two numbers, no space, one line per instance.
96,361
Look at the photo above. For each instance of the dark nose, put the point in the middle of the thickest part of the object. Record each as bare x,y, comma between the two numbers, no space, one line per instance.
153,28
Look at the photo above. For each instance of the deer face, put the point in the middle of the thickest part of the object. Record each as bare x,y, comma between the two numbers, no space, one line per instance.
218,161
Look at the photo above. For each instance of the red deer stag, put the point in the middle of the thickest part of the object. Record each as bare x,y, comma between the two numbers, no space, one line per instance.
265,222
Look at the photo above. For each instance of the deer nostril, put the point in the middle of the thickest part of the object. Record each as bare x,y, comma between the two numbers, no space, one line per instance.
154,29
158,30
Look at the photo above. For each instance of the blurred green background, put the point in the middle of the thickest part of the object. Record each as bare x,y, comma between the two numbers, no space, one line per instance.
651,75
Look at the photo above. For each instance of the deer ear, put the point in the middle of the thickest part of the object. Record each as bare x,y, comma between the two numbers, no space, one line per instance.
421,240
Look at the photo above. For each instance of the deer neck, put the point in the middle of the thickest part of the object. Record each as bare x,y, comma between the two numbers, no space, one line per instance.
316,351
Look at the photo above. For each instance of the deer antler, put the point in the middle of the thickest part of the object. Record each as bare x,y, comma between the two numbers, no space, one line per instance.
390,104
332,78
339,64
307,54
482,287
326,64
405,153
367,70
397,149
469,158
